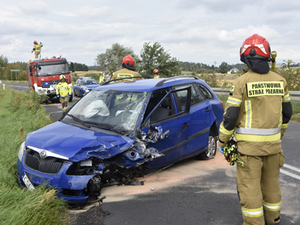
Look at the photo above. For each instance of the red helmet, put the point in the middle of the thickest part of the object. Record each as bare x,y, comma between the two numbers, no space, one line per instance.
256,46
155,71
128,60
35,42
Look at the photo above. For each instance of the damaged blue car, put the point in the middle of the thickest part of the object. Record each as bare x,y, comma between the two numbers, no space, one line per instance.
120,131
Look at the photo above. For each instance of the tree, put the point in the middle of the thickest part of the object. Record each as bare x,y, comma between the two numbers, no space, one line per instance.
155,57
3,64
224,67
112,59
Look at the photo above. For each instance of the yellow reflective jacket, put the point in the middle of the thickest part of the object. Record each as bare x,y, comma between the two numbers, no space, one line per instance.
63,89
125,73
257,112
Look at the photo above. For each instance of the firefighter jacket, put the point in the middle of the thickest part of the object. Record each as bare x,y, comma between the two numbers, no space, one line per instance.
125,73
101,79
63,89
37,47
257,112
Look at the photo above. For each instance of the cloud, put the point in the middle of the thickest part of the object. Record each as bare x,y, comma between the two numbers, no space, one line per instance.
34,7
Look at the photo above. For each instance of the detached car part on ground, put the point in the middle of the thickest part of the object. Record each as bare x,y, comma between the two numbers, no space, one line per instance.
120,131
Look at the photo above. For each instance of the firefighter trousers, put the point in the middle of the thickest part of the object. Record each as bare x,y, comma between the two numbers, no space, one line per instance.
259,188
64,103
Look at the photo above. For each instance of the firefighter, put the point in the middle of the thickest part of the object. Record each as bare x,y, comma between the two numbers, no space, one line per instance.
128,70
37,49
257,113
101,78
155,73
63,92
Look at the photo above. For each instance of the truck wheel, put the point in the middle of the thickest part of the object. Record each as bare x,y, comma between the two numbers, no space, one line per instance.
71,98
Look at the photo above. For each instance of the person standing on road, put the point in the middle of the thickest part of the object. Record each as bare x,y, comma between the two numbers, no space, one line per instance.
127,72
107,77
257,113
63,92
101,78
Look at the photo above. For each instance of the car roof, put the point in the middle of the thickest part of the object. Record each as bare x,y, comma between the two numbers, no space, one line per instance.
151,84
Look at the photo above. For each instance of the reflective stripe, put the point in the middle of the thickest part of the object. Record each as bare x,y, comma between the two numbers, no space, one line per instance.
226,132
257,131
272,207
234,101
253,212
284,125
286,98
258,138
248,111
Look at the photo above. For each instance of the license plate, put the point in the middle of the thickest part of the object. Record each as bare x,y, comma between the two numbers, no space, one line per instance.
27,182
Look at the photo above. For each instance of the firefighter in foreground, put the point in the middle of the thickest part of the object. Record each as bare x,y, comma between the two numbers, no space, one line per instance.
127,72
63,92
156,75
37,49
257,113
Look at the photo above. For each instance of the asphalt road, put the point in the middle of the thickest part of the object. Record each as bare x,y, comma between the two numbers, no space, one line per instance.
189,192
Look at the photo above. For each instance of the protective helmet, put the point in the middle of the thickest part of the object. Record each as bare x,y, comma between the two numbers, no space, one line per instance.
35,42
155,71
128,60
255,46
62,77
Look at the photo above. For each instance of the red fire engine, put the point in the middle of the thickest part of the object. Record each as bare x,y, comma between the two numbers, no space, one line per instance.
43,75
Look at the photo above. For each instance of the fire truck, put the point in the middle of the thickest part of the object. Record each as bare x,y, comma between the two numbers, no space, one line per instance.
43,75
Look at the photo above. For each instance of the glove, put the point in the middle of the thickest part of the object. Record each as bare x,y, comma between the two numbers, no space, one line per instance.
57,96
69,96
221,150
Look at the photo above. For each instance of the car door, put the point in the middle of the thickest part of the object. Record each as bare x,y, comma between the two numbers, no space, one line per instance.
200,116
174,122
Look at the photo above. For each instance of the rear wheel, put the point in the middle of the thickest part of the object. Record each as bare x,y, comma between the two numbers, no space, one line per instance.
211,150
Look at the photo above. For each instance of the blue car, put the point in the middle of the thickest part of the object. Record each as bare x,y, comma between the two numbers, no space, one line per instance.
120,131
84,85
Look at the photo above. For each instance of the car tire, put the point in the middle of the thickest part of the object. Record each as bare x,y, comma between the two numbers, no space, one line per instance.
211,150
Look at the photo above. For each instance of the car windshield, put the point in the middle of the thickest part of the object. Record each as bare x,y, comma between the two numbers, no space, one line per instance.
89,82
108,109
53,69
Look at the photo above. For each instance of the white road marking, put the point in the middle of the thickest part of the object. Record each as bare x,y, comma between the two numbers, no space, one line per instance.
294,172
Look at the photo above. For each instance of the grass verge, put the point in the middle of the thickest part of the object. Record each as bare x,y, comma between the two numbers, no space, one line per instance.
20,114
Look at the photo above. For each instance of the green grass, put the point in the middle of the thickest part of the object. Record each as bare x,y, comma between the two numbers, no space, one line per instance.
21,113
295,105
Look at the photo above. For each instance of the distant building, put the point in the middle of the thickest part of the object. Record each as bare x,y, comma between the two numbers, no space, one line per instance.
233,70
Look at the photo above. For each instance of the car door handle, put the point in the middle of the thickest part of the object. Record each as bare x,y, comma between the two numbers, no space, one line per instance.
185,125
207,110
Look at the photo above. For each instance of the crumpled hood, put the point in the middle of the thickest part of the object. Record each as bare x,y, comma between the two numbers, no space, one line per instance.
77,143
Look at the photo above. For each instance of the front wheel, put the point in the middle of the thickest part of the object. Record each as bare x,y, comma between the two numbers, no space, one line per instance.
71,98
211,150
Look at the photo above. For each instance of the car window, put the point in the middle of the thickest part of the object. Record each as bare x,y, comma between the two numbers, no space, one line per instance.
195,96
89,82
165,108
204,91
78,82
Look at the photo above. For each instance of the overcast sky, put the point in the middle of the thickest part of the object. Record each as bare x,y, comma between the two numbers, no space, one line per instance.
204,31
